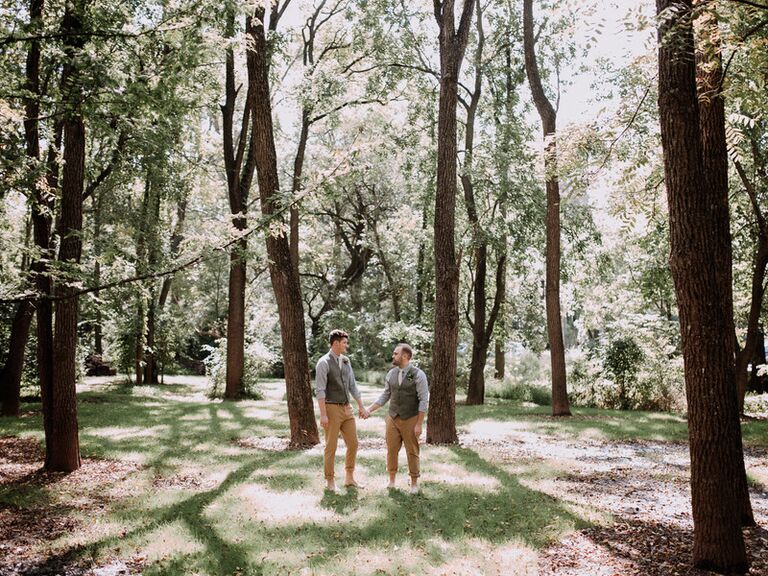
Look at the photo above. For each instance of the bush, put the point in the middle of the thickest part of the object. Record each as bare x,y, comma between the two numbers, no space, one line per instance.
638,368
520,392
258,361
525,380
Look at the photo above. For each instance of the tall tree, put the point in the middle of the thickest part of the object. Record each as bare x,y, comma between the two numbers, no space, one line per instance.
285,279
10,375
62,445
240,166
715,158
441,421
481,322
548,114
700,261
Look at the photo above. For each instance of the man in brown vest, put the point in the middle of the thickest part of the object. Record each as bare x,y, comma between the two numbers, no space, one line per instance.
406,389
335,382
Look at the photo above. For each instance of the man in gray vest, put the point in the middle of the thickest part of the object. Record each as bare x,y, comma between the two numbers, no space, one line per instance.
335,382
406,389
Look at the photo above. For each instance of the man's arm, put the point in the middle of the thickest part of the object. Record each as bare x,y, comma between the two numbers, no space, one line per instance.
321,382
422,391
383,399
353,389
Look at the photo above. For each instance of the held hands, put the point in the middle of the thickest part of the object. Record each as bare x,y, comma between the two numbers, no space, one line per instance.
363,412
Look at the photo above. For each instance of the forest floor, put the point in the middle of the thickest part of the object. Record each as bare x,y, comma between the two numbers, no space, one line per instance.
173,483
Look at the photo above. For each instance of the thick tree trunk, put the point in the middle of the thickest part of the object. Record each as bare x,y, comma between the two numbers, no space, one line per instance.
62,447
560,405
441,418
700,260
10,374
715,158
285,281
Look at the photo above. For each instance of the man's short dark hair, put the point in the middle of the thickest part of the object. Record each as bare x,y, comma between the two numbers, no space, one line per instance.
406,348
337,335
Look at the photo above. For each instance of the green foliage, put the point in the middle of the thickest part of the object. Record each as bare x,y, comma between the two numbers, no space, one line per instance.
256,364
639,367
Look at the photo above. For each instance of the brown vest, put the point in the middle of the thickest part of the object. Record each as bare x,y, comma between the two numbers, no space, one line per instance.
404,401
338,381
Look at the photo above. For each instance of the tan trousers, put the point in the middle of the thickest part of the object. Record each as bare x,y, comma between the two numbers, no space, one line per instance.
340,420
400,432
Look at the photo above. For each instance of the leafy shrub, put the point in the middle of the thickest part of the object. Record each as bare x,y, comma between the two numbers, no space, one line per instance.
521,392
257,362
639,367
526,380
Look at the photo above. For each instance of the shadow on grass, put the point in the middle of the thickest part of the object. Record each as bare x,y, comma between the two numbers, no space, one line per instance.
218,557
509,512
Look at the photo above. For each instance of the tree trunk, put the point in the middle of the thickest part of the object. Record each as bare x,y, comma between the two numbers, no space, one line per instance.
441,418
760,263
560,405
700,261
499,359
236,321
62,447
239,178
10,375
285,281
715,158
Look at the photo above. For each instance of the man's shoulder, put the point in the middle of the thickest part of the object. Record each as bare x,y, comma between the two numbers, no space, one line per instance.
392,370
323,359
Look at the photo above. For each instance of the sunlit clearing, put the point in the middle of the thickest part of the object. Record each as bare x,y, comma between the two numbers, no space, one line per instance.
259,413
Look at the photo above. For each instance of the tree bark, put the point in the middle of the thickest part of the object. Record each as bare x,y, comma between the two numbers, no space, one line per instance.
62,447
239,168
548,114
715,158
441,418
700,261
10,375
285,281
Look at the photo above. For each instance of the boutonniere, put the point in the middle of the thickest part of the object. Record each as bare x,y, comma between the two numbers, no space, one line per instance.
410,377
345,360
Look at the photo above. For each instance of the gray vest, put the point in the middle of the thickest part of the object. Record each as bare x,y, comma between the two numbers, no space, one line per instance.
338,381
404,401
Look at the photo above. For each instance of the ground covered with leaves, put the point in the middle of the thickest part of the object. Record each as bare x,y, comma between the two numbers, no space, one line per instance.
173,483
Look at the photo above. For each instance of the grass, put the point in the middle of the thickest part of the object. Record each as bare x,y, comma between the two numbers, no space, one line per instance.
198,497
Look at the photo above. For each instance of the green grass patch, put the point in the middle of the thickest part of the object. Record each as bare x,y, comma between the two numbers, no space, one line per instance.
200,499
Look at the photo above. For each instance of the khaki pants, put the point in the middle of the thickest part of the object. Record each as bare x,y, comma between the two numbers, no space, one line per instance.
340,420
400,432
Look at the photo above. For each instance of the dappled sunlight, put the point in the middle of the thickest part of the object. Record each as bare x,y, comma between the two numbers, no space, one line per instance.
458,475
169,540
592,434
476,556
258,413
495,428
128,433
257,503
